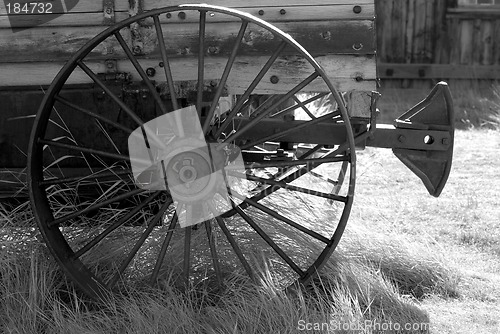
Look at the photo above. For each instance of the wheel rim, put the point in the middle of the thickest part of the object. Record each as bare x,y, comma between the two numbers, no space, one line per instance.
107,233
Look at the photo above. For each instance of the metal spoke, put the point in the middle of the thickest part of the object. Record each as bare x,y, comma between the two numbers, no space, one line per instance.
308,162
309,100
251,88
213,251
288,186
95,207
290,130
90,151
114,226
94,176
164,247
283,99
187,254
224,77
92,114
235,247
303,107
201,61
141,72
121,104
284,219
166,62
269,241
139,244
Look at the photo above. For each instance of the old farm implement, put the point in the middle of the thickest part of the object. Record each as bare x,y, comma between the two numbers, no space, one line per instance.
186,144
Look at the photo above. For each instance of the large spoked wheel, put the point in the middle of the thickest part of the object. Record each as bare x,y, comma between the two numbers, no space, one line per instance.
277,217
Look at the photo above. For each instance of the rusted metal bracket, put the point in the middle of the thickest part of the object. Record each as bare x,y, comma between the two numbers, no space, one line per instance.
108,9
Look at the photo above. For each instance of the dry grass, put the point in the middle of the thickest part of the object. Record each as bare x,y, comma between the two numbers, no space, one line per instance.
404,258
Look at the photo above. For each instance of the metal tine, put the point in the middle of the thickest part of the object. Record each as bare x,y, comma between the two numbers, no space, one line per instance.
164,247
201,61
138,244
259,117
122,105
251,88
115,225
166,62
213,251
269,241
141,72
225,75
92,114
282,218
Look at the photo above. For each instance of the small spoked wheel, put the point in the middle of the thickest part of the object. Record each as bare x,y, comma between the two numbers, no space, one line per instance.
153,186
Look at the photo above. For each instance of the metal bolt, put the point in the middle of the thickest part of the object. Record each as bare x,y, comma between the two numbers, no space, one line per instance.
356,9
282,12
401,138
110,65
274,79
182,15
137,49
161,64
326,35
445,141
150,72
109,11
359,78
169,15
357,46
213,50
261,12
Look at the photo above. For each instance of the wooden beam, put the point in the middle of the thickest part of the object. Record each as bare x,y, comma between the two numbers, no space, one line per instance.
487,12
60,43
290,13
82,7
66,20
342,70
437,71
152,4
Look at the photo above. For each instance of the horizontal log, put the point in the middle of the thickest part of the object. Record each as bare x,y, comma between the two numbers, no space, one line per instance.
152,4
82,7
57,43
271,14
66,20
276,14
437,71
341,69
473,13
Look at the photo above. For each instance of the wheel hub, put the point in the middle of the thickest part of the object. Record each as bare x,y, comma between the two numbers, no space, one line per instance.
189,176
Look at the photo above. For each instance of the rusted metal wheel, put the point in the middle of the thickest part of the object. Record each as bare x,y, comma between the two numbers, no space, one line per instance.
108,231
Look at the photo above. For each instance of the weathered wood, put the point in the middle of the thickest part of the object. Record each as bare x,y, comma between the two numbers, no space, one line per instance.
486,38
437,71
291,13
473,13
496,43
57,43
454,35
152,4
418,50
383,13
66,20
341,69
359,104
466,44
92,6
410,26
